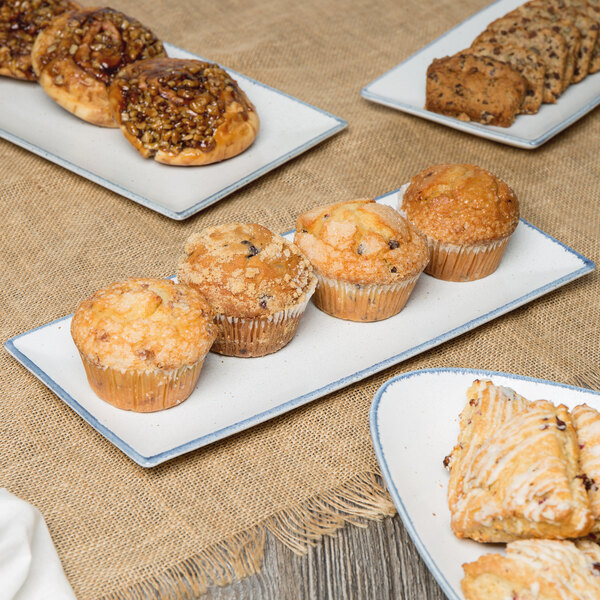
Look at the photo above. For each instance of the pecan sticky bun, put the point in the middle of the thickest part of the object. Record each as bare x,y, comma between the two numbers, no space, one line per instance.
79,54
182,112
20,22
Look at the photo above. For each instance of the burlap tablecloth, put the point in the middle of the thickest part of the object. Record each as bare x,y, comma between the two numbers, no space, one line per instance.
121,529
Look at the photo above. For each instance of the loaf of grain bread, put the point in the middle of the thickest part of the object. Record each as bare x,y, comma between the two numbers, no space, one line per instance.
475,88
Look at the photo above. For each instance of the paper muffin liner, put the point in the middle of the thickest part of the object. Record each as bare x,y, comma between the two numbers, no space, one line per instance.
452,262
362,302
257,336
142,391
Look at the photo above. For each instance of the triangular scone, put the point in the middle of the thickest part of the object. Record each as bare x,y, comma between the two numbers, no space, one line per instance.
514,471
587,426
536,570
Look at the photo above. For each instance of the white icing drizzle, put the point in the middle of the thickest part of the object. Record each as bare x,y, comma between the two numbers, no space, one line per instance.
587,425
515,461
562,564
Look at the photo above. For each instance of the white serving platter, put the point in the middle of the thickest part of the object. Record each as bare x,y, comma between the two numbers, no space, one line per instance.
403,88
288,128
414,425
325,355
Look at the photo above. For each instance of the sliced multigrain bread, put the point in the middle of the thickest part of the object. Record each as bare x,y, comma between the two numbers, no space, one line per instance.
564,27
550,46
591,8
595,61
526,62
586,26
475,88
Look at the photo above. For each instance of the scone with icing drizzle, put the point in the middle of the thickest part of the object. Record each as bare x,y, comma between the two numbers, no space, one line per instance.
258,283
78,55
587,424
536,570
515,471
366,256
143,342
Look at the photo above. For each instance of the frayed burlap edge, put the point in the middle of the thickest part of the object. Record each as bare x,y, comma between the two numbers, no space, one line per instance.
362,497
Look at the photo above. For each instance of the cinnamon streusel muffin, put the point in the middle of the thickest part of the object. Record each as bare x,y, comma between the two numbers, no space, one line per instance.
143,342
366,256
78,55
468,216
258,283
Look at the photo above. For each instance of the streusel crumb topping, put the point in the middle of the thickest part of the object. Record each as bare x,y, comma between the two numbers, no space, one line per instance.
461,204
245,270
144,324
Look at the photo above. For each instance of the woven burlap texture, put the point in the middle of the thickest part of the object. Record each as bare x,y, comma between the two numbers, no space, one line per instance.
120,529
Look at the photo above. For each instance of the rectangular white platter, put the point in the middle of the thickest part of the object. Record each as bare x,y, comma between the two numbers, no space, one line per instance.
414,425
325,355
288,127
403,88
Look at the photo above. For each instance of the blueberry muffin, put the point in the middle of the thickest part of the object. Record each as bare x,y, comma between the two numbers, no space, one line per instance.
258,283
366,256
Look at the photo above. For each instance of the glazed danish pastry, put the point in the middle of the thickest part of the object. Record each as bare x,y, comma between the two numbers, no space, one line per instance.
79,54
182,112
515,472
20,23
536,570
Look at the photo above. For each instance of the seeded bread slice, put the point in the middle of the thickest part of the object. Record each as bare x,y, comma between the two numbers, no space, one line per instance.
475,88
591,8
563,27
550,47
595,61
586,26
526,62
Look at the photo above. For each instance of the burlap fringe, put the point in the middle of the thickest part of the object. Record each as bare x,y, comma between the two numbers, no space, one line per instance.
363,497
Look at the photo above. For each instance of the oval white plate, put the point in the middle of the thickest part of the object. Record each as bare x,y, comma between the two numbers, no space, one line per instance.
414,425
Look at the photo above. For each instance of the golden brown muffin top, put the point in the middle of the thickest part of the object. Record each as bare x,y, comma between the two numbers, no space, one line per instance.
361,242
461,204
245,270
144,324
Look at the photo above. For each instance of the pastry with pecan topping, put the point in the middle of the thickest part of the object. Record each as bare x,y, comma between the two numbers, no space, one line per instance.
258,283
143,342
183,112
367,258
20,23
78,55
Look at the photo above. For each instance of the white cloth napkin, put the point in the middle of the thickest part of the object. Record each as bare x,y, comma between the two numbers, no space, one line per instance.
29,566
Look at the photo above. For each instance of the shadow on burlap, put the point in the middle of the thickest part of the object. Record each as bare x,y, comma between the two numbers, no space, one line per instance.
121,529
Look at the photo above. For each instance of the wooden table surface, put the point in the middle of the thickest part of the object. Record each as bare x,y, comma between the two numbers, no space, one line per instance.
376,562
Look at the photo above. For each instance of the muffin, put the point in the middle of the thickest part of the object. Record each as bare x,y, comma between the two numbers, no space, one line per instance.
366,256
143,342
257,282
467,215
